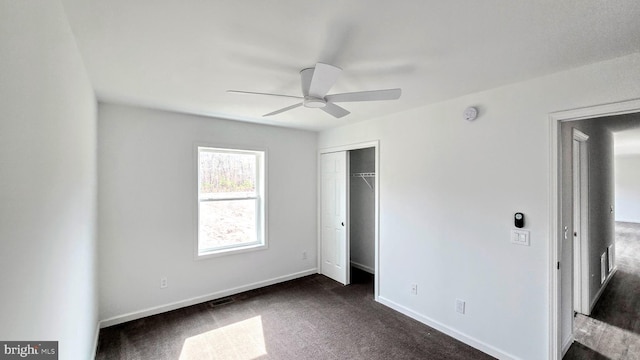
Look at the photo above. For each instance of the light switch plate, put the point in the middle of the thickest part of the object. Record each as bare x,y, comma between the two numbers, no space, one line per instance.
520,237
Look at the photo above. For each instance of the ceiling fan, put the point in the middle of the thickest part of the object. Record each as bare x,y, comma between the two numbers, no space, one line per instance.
316,83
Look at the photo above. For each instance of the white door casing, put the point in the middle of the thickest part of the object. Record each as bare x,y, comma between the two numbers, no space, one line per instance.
334,236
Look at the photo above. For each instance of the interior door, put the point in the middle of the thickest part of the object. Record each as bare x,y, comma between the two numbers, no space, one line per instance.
577,249
334,236
580,223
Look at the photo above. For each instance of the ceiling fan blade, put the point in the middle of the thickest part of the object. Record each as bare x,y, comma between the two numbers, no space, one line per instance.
335,110
324,76
283,109
388,94
261,93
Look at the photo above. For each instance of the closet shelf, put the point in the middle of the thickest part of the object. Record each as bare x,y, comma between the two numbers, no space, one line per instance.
365,175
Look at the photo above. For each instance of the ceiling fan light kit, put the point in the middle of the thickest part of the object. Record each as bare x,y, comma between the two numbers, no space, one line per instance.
316,83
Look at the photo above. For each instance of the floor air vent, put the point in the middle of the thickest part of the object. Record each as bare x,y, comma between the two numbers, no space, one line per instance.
222,301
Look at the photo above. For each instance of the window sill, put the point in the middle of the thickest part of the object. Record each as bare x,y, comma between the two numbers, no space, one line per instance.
229,251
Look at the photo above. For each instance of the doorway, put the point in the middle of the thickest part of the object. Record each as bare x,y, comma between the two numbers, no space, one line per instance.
561,244
362,179
348,220
599,320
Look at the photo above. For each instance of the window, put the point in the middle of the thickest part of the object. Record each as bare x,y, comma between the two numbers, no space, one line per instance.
231,200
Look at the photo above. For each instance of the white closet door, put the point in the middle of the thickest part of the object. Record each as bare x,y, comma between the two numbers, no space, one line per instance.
335,244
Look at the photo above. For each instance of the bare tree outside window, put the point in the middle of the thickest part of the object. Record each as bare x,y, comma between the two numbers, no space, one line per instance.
230,200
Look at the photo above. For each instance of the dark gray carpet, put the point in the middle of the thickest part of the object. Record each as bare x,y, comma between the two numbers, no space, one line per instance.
613,329
308,318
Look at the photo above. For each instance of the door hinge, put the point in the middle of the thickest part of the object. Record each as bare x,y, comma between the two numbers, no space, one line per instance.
558,265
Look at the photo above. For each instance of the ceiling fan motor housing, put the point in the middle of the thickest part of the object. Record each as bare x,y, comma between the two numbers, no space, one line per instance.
314,102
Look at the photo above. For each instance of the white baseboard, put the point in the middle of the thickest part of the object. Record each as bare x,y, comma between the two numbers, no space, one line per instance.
471,341
200,299
566,344
604,286
362,267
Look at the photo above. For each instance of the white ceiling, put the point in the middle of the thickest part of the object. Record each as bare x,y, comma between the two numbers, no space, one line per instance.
183,55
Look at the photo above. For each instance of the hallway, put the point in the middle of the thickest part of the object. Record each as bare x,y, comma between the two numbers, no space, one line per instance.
613,329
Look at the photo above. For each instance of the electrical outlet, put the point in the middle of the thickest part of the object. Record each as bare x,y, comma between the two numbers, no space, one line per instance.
163,282
414,289
304,255
460,304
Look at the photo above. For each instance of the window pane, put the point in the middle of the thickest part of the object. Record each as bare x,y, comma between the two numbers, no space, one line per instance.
230,200
227,174
227,223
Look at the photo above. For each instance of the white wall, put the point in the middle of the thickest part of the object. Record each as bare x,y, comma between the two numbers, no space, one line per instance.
446,210
147,210
47,182
627,188
362,209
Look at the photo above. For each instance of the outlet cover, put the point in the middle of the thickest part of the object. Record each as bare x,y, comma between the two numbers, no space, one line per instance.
163,283
460,304
414,289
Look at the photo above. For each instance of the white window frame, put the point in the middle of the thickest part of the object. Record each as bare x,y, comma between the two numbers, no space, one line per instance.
261,203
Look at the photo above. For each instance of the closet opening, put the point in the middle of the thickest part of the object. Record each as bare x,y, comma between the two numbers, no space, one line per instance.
362,181
348,231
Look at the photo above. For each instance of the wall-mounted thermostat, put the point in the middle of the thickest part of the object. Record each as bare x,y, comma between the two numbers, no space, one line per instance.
518,220
519,236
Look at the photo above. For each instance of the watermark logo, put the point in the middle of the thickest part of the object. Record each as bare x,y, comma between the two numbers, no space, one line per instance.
32,350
